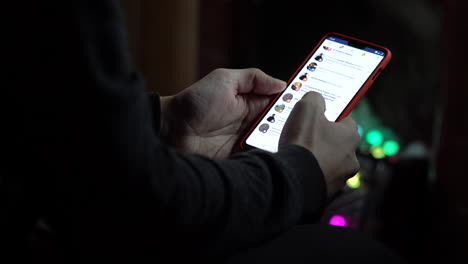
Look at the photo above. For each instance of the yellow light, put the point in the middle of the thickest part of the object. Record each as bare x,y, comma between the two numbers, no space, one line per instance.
354,182
377,152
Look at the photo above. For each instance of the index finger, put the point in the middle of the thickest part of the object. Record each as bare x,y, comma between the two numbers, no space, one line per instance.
315,98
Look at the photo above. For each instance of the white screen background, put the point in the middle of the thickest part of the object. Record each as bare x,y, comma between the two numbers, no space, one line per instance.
335,70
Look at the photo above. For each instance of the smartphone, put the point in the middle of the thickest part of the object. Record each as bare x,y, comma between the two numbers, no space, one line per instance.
341,68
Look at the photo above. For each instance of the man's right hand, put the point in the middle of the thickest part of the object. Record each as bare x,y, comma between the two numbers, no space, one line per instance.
332,143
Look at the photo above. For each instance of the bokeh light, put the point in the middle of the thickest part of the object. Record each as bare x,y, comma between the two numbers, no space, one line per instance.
338,220
374,137
391,147
360,130
377,152
354,182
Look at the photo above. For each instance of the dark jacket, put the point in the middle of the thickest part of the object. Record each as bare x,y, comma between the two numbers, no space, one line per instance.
85,157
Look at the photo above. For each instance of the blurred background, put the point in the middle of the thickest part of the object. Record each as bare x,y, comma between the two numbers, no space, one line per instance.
410,193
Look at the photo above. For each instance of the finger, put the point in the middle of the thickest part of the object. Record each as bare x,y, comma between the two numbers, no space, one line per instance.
316,99
352,125
357,166
349,122
257,82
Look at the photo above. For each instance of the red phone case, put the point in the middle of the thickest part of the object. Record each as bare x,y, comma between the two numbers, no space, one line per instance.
352,103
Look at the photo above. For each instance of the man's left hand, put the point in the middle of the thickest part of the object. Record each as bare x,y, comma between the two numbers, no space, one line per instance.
210,116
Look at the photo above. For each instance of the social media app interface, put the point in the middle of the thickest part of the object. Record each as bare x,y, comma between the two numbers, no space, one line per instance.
336,70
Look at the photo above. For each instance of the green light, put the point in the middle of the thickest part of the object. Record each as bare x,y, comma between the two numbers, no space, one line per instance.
391,147
354,182
374,137
377,152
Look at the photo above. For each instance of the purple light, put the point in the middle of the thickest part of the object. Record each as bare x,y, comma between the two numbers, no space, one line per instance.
338,220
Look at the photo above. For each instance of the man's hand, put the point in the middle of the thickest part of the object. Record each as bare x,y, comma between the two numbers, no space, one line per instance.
210,116
333,144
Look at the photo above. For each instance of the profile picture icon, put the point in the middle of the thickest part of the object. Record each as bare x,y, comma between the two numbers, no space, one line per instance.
296,86
312,66
280,108
304,77
271,118
263,128
287,97
327,48
319,57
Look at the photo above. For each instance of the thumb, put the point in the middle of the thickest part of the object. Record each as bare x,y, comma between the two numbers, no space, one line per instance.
256,81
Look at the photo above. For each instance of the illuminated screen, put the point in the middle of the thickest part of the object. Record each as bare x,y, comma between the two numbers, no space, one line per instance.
337,70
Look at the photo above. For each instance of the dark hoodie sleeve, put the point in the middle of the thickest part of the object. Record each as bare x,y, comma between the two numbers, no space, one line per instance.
103,177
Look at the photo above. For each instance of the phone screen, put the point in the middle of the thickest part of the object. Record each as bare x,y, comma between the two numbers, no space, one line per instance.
337,69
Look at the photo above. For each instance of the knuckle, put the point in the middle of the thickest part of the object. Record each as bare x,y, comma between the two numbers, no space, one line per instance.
258,75
220,71
312,95
254,71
